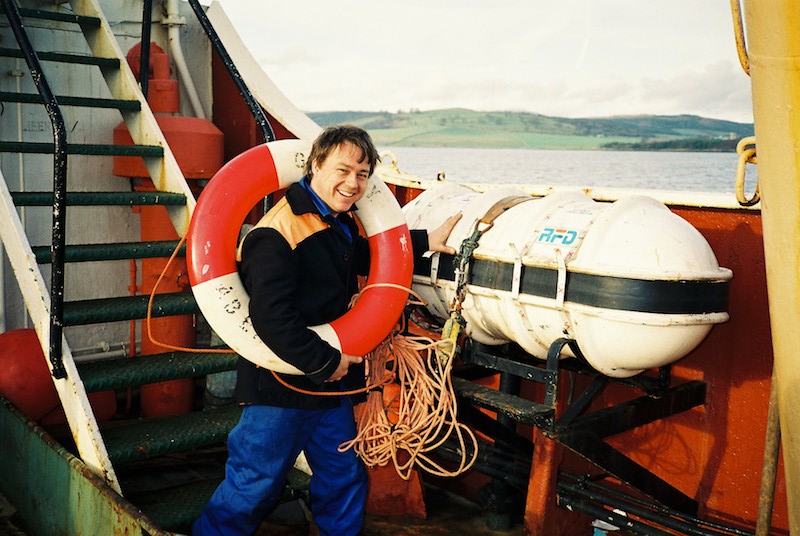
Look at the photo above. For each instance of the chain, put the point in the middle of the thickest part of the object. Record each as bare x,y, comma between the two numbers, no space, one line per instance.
461,265
456,323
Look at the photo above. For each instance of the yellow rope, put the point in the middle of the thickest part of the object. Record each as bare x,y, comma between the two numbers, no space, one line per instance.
738,34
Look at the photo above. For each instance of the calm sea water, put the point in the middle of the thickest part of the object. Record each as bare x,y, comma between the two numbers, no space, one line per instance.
698,172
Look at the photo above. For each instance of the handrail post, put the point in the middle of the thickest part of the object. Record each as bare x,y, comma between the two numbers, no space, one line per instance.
59,188
144,61
255,108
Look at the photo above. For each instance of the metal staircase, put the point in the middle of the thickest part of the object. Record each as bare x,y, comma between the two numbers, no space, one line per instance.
102,450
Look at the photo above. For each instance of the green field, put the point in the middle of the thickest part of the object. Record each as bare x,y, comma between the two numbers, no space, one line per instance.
472,138
471,129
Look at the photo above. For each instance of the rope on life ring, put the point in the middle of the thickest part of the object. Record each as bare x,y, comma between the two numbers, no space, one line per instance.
213,237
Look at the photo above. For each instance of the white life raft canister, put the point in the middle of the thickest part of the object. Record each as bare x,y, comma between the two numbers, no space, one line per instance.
635,285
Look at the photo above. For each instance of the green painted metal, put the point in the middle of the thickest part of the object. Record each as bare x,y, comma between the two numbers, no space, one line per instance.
177,507
140,370
83,149
58,16
97,311
66,100
45,199
112,252
54,492
157,437
60,57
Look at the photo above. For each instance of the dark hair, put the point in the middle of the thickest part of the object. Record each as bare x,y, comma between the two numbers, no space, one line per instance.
335,136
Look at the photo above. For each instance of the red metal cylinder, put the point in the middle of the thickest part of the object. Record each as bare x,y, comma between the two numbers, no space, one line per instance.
24,376
162,92
198,147
25,380
174,397
196,143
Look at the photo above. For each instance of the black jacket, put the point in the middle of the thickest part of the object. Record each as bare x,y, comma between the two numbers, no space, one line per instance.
301,270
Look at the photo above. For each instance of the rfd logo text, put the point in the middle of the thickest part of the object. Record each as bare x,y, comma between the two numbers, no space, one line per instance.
552,235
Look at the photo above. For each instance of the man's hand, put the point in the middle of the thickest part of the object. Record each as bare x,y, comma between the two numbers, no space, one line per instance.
344,366
438,237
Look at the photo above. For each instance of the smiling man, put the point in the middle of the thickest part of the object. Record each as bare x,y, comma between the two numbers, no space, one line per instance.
340,177
299,265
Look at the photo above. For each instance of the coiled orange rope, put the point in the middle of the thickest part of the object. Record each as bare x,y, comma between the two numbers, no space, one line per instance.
426,414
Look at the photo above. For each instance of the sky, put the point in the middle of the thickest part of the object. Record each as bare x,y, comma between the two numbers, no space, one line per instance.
568,58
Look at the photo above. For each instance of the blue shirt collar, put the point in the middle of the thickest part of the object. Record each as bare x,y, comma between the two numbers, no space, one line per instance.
324,209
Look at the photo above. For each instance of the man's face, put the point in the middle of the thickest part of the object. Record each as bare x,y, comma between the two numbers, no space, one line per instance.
341,179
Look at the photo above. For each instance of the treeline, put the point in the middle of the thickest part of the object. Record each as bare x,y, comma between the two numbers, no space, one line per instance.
687,144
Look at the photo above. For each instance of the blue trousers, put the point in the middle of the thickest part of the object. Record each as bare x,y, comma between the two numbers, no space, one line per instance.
262,448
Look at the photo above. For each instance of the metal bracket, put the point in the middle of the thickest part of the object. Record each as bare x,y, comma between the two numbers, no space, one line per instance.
582,432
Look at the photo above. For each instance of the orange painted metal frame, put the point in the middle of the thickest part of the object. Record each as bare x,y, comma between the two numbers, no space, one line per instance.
712,453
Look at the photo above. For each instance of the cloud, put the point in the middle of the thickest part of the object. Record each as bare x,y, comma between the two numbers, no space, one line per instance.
720,89
577,58
293,57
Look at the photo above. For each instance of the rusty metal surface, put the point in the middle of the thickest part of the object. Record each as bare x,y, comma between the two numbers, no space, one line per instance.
519,409
54,492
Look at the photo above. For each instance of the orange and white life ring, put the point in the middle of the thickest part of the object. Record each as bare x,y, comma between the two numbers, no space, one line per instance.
213,237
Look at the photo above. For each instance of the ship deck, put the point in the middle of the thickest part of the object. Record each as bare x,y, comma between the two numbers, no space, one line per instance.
448,514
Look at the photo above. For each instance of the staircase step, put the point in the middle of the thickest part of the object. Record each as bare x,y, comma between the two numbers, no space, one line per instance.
77,313
61,57
57,16
82,149
111,252
166,435
140,370
519,409
45,199
175,508
65,100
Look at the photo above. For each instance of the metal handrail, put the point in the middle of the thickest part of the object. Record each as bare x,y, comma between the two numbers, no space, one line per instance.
144,60
216,42
59,187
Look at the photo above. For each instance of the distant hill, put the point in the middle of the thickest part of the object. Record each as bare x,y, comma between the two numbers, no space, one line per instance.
458,127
